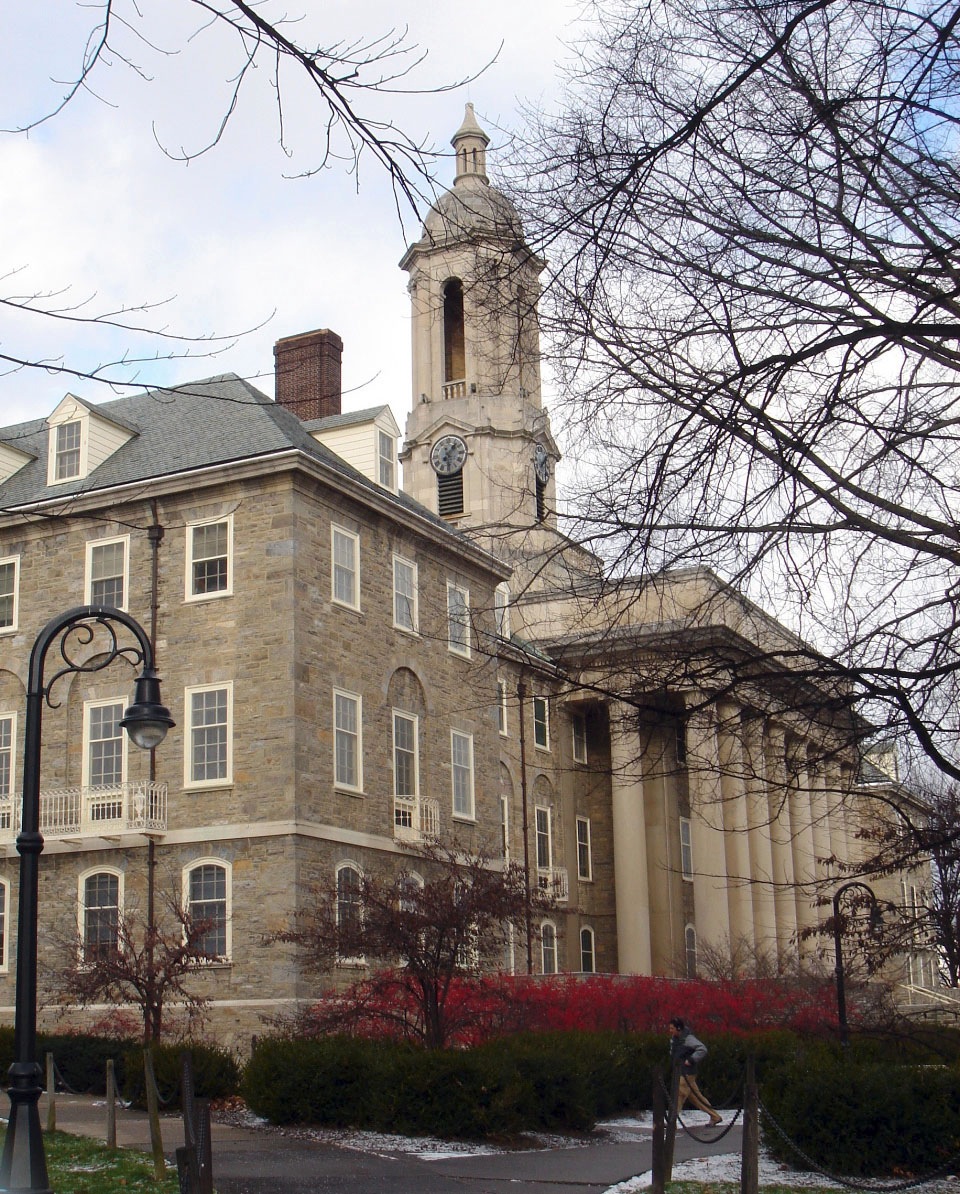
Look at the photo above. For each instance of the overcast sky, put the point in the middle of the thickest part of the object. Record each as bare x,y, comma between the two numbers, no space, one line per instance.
92,207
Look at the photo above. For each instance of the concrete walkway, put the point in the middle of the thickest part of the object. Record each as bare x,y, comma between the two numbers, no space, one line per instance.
248,1161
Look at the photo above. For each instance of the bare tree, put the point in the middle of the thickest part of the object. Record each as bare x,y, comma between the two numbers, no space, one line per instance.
140,966
752,214
419,933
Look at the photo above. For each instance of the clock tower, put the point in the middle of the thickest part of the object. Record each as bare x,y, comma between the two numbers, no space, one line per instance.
478,448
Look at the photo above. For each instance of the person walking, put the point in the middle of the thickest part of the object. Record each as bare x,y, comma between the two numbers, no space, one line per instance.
686,1054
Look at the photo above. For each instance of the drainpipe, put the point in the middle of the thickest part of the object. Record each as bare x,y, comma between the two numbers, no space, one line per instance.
521,697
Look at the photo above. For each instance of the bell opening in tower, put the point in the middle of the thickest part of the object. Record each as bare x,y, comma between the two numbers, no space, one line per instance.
454,352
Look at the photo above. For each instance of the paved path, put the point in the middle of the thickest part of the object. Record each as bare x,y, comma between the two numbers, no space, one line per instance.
247,1161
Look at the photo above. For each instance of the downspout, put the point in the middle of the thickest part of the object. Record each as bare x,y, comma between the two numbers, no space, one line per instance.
528,914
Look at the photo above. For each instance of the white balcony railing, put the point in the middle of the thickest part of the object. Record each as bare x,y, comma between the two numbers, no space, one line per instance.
137,806
455,389
553,880
415,818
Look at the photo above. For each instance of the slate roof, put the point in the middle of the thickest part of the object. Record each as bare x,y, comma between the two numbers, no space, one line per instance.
214,421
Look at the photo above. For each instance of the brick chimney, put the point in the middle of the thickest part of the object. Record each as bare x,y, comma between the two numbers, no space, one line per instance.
308,373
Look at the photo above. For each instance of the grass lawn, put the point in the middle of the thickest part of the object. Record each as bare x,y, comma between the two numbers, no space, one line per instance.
76,1165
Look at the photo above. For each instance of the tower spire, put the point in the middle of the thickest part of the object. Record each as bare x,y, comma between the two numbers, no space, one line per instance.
470,147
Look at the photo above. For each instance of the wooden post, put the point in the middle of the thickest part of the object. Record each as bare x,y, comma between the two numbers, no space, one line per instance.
659,1105
111,1105
750,1155
671,1133
51,1096
153,1113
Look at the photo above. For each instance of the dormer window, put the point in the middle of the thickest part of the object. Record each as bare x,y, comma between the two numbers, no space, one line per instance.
67,451
386,460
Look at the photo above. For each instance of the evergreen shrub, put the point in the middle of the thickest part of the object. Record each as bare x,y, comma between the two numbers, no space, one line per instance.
216,1074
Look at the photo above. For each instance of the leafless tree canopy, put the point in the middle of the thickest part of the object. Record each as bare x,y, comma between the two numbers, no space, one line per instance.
751,211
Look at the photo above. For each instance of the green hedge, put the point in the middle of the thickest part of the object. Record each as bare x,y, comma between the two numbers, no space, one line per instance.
215,1073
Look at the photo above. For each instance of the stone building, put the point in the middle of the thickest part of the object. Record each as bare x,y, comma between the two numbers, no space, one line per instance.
353,665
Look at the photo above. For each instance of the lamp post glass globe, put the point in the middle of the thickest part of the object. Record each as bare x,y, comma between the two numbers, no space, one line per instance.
146,720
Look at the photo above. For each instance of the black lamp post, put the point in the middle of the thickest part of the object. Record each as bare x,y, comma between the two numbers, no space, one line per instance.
24,1165
876,919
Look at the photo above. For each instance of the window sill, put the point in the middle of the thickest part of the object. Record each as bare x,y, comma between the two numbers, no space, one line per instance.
208,785
346,790
195,598
464,818
352,609
406,631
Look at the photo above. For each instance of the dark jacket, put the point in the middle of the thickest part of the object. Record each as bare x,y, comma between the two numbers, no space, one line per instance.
687,1052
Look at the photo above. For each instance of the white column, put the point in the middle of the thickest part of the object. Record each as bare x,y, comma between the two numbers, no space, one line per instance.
631,886
712,917
801,838
785,906
761,846
735,823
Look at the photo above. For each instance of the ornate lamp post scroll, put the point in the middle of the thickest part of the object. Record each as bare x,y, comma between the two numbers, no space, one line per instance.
876,918
23,1166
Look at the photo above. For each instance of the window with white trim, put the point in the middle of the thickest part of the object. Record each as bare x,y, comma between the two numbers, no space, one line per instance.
461,767
584,850
8,738
100,901
502,707
588,951
690,950
405,594
107,572
9,592
209,568
104,758
505,827
208,904
4,906
458,619
67,440
578,726
686,849
345,572
405,755
349,914
209,736
347,740
387,460
501,609
541,723
548,947
544,838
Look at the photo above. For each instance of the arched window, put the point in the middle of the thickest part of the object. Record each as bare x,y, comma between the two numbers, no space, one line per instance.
454,350
588,957
690,949
548,947
4,916
349,912
208,891
99,914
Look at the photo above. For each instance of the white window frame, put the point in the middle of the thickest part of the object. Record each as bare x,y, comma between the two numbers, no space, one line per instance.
541,703
86,769
93,545
191,528
15,561
339,532
82,902
502,724
227,867
386,460
548,928
543,835
587,931
578,732
415,721
348,865
340,694
584,846
4,926
461,776
54,477
412,598
691,951
505,825
188,695
686,849
458,620
501,610
7,799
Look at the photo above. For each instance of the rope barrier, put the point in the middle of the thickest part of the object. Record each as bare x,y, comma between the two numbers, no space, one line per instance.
727,1127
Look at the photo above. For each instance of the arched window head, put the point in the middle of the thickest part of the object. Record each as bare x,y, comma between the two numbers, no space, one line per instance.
690,949
548,947
588,958
454,351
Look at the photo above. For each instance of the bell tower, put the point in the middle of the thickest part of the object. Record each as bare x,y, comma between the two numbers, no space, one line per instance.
478,447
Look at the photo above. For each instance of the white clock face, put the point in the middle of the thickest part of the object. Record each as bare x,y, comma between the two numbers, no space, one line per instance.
541,464
448,455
